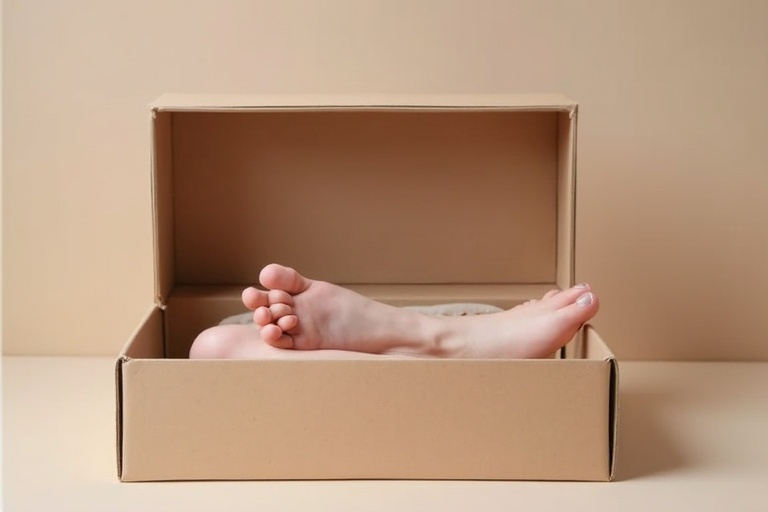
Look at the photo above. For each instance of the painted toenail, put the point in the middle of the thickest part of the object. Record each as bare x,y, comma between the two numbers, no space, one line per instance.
582,285
585,300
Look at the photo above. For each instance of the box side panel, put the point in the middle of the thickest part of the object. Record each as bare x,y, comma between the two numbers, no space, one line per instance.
147,341
376,197
588,345
595,348
566,198
191,310
162,199
189,420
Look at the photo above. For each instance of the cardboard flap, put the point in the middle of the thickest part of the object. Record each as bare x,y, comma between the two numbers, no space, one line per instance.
596,348
146,342
364,189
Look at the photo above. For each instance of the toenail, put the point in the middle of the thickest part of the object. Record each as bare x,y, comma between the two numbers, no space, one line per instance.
582,285
585,300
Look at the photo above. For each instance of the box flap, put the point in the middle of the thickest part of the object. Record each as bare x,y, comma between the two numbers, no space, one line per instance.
145,342
437,190
593,347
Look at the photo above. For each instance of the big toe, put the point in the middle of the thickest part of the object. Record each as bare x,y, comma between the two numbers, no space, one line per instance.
278,277
582,309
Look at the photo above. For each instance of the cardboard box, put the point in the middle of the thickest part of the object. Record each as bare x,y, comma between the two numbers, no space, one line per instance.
409,200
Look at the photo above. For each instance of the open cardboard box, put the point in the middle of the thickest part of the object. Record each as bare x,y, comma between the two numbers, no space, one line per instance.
409,200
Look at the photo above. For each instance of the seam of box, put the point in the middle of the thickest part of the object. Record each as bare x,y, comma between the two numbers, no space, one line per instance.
153,194
166,333
613,417
119,412
573,115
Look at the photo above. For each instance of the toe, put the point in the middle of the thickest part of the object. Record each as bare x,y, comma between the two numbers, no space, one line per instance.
273,335
280,310
254,298
278,277
262,316
279,297
288,322
550,294
270,333
582,309
566,297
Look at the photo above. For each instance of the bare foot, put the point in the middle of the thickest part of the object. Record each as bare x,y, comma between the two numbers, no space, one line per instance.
243,342
304,314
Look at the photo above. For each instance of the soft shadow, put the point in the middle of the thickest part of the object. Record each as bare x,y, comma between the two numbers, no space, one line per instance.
646,445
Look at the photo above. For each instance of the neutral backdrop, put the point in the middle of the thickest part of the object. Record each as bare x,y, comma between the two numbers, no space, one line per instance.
673,152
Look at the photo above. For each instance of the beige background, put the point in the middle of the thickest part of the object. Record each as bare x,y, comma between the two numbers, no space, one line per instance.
673,159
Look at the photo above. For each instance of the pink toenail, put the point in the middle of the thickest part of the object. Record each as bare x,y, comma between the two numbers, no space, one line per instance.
585,300
582,285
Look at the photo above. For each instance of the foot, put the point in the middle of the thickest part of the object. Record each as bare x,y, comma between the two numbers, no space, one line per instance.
242,342
304,314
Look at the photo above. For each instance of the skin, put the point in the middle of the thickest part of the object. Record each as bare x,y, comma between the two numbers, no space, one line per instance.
296,317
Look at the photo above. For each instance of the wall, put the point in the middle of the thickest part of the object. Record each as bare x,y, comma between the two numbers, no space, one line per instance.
673,163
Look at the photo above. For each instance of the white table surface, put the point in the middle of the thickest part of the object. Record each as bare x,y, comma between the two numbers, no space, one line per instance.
692,436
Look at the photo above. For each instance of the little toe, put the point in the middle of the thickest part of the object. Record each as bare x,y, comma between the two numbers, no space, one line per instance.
262,316
270,333
254,298
278,277
273,335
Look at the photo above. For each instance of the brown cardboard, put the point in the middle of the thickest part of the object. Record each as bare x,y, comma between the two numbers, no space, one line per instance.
409,200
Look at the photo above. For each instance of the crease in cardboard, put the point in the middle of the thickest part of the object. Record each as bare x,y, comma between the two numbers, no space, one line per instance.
613,415
119,412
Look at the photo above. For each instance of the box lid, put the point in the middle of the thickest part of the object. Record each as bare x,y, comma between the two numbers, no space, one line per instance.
423,191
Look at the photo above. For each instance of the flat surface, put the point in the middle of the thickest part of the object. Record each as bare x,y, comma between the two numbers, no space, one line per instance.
691,438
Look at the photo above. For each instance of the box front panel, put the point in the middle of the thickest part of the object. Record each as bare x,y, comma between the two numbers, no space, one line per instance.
365,419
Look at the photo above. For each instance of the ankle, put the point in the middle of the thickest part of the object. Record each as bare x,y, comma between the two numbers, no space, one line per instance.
438,336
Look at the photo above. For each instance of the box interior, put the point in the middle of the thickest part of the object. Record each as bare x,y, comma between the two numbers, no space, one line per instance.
405,205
